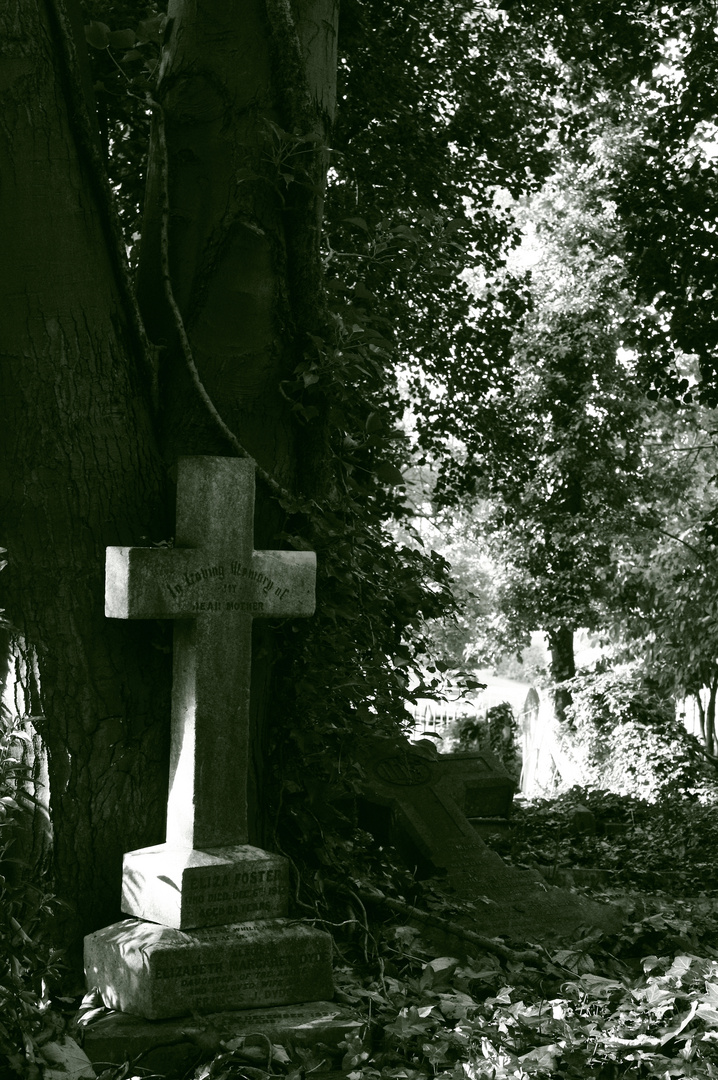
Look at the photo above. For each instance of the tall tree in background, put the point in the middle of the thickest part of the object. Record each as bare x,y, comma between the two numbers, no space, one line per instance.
570,479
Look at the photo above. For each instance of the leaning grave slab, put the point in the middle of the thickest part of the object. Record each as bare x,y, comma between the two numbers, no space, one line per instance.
208,932
421,790
479,783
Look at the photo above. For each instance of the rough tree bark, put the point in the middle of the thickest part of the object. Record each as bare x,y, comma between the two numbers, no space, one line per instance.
78,470
710,715
563,667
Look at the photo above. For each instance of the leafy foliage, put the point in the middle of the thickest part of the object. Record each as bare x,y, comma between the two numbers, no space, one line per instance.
496,731
375,647
625,733
639,846
562,479
666,610
27,960
125,58
665,179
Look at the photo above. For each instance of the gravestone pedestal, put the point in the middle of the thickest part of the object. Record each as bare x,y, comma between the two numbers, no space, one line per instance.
209,933
184,888
158,972
169,1047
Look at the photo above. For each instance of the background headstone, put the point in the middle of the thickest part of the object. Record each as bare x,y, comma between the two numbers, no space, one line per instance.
547,760
408,781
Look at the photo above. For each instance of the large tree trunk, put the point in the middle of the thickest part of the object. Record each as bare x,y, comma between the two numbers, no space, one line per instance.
710,715
563,667
234,204
78,471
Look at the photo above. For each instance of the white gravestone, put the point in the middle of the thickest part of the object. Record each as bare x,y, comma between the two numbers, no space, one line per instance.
212,583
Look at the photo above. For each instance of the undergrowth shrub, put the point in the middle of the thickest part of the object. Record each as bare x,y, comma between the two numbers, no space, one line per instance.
27,962
666,846
626,738
496,731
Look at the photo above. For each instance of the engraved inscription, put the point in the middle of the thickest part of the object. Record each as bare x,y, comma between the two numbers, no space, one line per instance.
232,879
216,898
221,572
258,965
249,607
254,889
403,770
205,573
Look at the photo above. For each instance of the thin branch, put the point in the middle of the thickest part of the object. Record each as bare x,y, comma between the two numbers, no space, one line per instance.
375,896
679,540
680,449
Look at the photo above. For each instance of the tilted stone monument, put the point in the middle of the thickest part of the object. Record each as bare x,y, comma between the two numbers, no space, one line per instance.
416,787
478,782
209,931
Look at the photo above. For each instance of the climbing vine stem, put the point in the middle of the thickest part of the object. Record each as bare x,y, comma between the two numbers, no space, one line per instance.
275,487
79,119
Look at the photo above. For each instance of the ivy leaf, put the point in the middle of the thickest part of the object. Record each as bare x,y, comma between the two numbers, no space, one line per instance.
390,474
97,34
122,39
151,29
438,972
543,1057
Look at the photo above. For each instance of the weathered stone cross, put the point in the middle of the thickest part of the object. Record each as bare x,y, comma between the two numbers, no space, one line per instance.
209,931
213,584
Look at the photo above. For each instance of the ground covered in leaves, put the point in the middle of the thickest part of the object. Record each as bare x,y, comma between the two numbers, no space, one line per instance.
643,1002
639,1003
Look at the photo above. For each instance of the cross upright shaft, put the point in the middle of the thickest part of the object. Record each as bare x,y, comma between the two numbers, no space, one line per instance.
213,584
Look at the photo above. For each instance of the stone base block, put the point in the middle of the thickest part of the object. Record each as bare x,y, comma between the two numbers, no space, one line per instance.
171,1046
185,889
158,972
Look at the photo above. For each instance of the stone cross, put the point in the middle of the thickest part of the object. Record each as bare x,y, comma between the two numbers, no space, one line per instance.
213,584
209,932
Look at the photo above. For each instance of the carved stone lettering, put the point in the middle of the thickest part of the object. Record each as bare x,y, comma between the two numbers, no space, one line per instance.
266,963
404,770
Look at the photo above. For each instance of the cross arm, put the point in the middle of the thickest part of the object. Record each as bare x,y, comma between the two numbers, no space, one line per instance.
284,582
149,583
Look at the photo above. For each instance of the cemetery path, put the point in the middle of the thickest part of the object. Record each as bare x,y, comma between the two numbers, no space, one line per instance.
499,689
